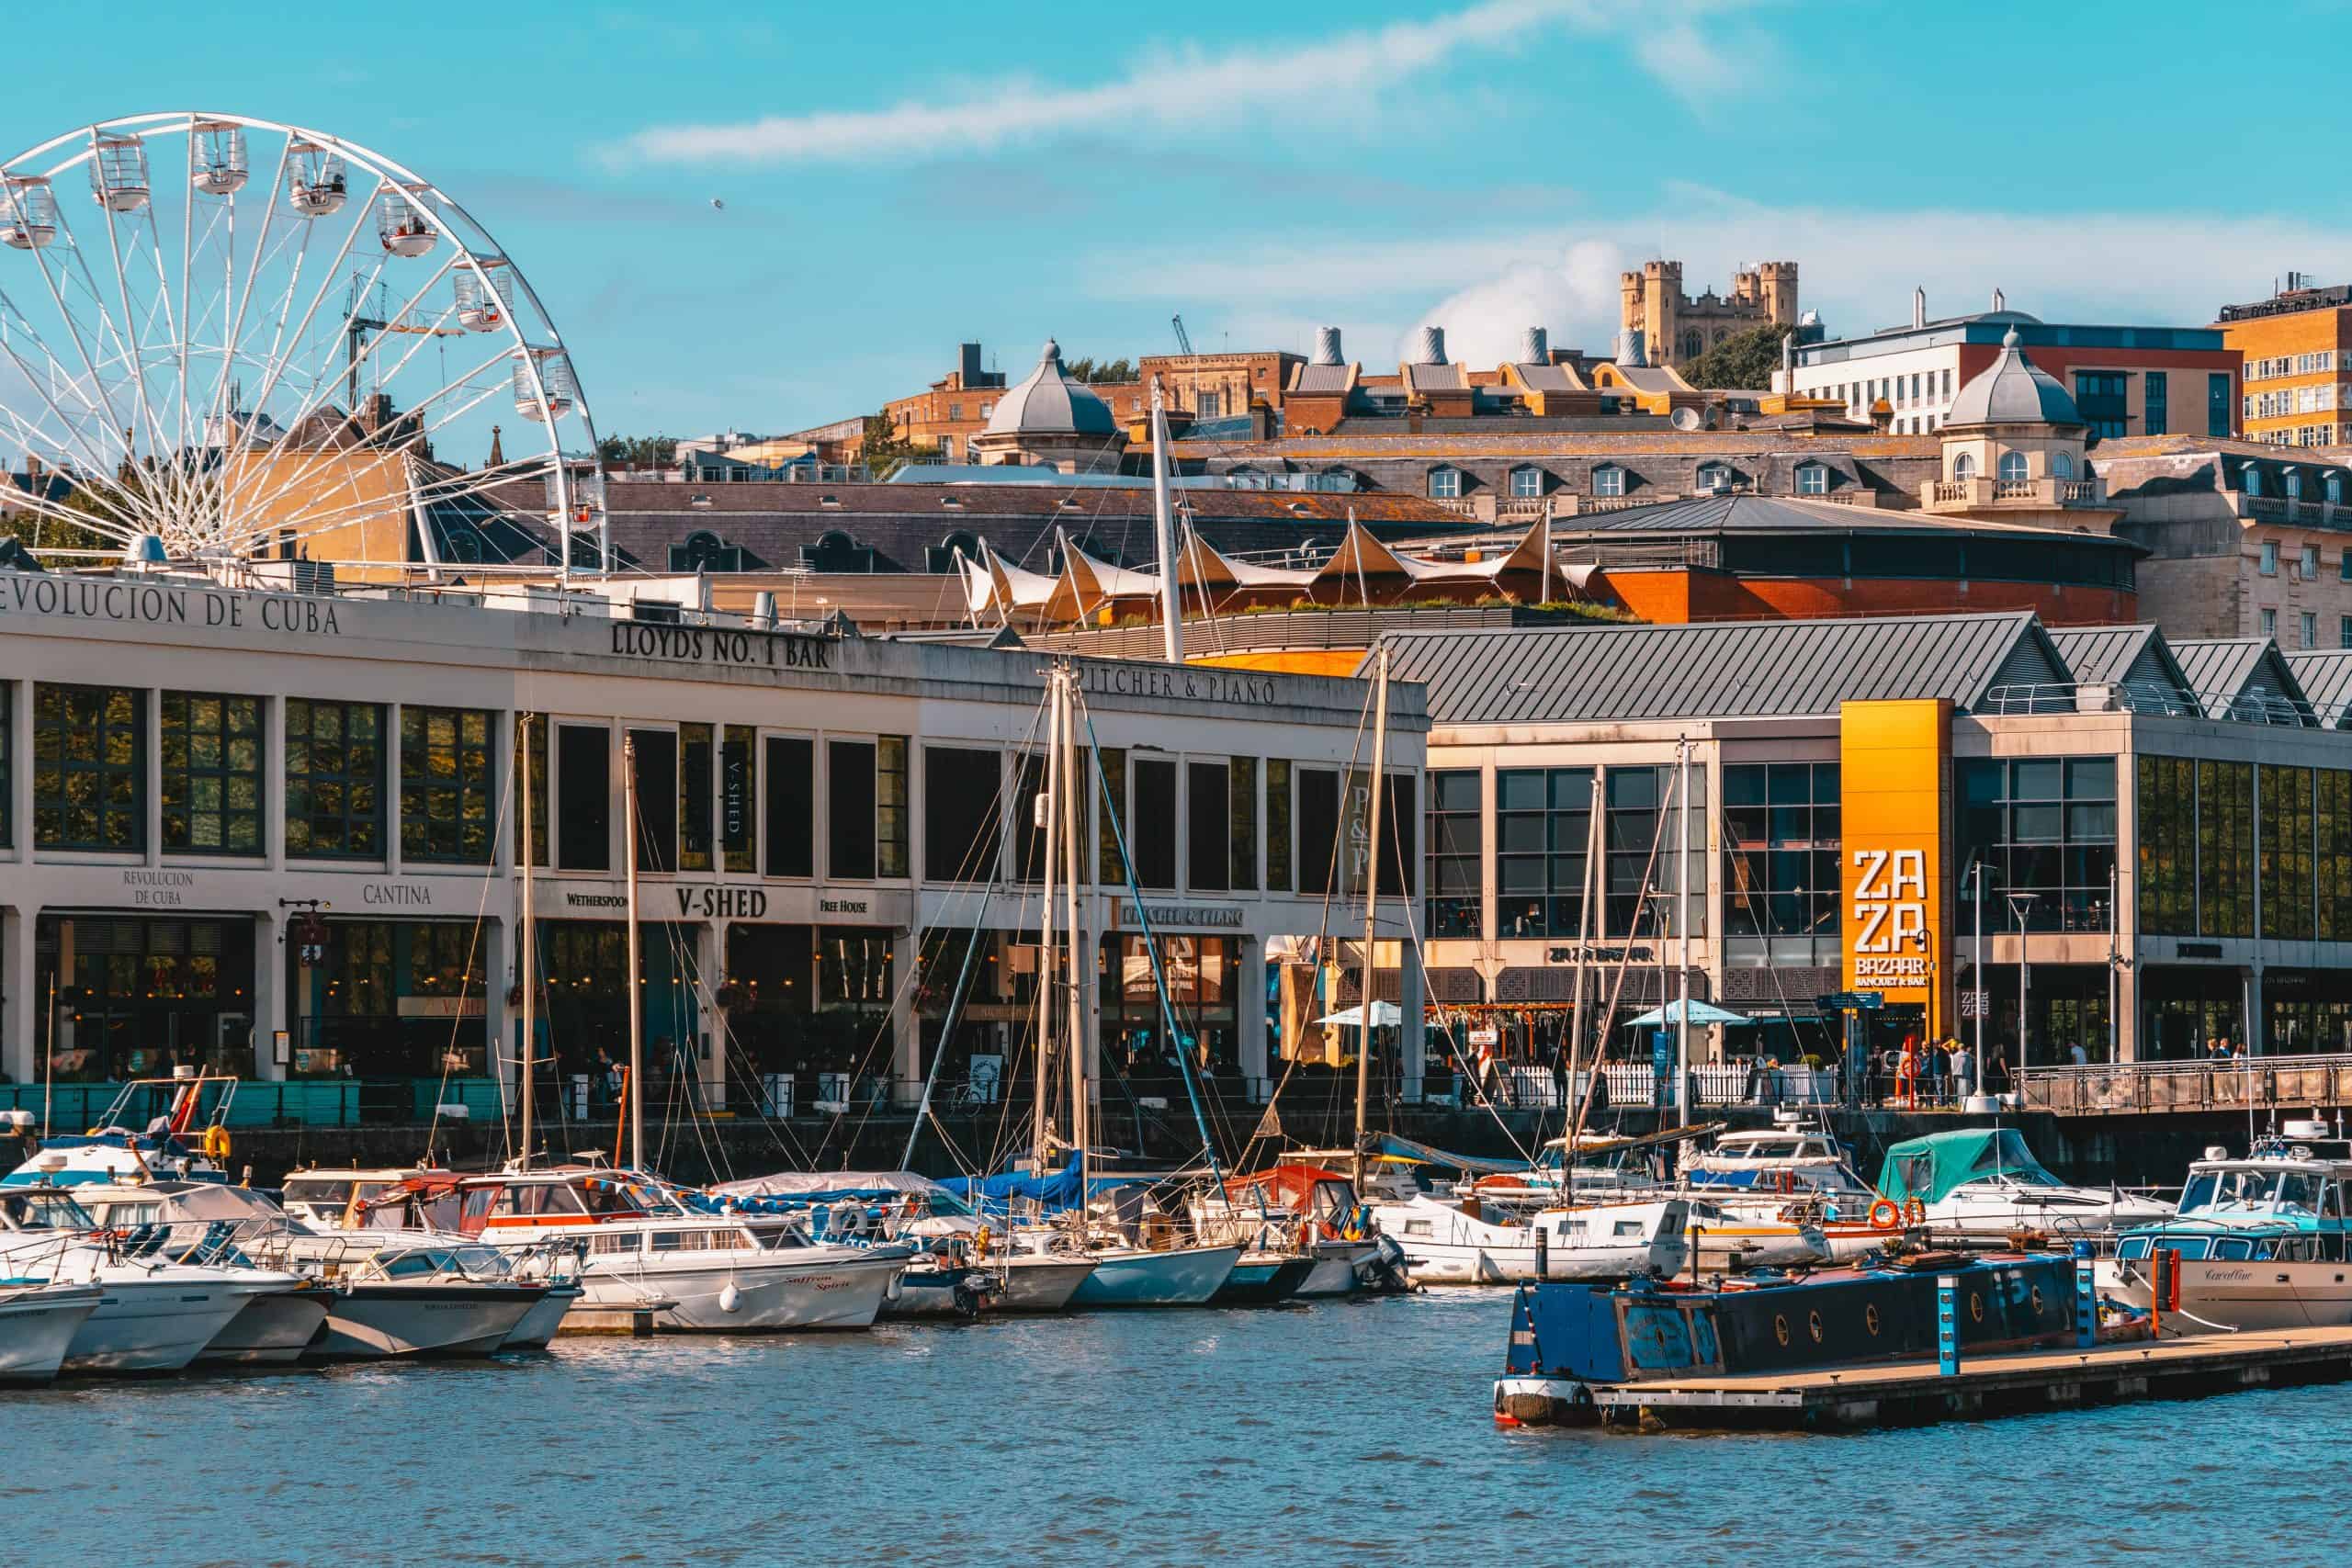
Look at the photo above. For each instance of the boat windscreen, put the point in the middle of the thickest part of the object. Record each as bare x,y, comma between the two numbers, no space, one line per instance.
2005,1154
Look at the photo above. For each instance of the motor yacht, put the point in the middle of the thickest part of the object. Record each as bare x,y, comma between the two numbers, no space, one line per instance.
2258,1243
1468,1240
657,1249
1316,1210
1983,1181
206,1222
37,1322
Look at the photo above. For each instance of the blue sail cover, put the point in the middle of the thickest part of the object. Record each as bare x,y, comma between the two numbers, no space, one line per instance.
1053,1193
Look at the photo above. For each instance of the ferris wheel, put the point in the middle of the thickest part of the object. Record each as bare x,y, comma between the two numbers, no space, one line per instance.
243,340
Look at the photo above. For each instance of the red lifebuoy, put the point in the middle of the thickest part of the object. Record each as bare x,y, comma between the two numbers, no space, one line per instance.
1884,1215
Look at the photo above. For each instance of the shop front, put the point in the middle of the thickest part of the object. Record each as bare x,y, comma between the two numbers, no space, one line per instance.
808,1006
583,1018
2306,1012
123,996
2187,1008
379,1001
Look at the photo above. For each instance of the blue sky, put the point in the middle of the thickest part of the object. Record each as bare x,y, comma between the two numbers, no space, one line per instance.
898,178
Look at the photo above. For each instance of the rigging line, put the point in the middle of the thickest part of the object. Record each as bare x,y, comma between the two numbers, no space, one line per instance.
473,947
1605,1016
1413,935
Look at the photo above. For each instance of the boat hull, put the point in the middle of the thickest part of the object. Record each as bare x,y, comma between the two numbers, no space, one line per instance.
543,1322
1040,1283
752,1297
371,1321
153,1324
1458,1263
2218,1296
273,1330
941,1293
36,1325
1187,1277
1334,1273
1263,1281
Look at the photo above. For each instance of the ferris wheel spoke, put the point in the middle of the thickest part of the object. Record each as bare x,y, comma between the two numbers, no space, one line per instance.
38,382
233,326
21,431
73,326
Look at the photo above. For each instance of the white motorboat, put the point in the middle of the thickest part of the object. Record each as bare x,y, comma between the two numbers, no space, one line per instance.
203,1221
2258,1242
37,1322
404,1299
155,1130
153,1316
1983,1181
648,1251
1468,1241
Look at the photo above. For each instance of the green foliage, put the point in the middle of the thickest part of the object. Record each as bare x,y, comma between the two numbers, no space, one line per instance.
1744,362
639,451
1106,374
885,451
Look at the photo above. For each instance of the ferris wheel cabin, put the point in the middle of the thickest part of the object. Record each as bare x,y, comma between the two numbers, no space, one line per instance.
478,288
217,164
550,395
401,223
119,172
316,187
28,212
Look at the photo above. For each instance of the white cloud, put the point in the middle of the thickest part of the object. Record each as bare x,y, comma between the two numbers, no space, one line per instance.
1183,88
1858,269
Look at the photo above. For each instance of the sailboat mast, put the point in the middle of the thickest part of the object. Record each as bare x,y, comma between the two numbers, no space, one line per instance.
636,992
1568,1118
1163,528
1042,821
530,947
1370,902
1080,972
1682,941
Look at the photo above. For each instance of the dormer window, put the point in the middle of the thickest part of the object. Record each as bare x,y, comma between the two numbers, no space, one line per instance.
1445,484
699,503
1526,483
1608,479
1813,479
1714,479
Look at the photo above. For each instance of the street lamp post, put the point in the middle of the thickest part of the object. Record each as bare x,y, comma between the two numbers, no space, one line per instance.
2021,906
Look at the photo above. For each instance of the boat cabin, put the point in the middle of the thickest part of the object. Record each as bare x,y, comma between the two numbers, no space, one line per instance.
2284,1202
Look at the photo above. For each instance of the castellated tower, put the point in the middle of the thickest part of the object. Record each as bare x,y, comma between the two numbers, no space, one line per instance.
1780,289
1676,329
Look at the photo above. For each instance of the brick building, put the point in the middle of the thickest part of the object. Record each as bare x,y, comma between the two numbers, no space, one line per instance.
2298,350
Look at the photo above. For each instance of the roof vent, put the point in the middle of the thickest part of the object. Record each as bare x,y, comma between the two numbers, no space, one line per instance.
1327,345
1429,347
1534,346
1918,309
832,501
955,502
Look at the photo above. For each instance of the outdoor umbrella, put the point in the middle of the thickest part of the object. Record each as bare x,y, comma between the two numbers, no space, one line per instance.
1701,1013
1385,1015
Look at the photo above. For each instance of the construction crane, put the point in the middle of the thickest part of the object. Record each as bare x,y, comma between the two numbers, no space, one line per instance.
1184,339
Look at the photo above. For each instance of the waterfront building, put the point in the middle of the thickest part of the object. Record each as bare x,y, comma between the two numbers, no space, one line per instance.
2127,380
280,835
2166,830
2298,350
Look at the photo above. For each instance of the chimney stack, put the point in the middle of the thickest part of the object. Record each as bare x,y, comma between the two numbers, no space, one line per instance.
1999,302
1534,346
1918,309
1430,349
1327,346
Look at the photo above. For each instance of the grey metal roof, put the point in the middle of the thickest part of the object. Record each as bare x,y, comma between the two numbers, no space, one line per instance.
1724,669
2136,660
1546,378
1435,377
1771,514
2244,678
2012,390
1049,402
2326,675
1323,379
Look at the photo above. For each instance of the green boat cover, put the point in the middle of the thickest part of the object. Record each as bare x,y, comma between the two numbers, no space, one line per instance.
1927,1168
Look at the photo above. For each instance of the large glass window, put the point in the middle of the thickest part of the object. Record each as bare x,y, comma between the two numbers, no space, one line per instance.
2102,395
335,779
2289,908
2043,826
2225,848
1210,823
1643,861
211,766
890,815
1278,832
697,777
2155,397
738,794
656,752
585,796
1111,812
1151,814
89,768
531,768
7,763
963,814
2217,403
2332,852
1455,881
1781,833
849,809
1543,831
1318,828
2165,829
791,806
448,796
1241,822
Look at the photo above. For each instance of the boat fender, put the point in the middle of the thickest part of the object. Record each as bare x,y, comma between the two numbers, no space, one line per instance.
980,1243
1884,1215
730,1299
216,1141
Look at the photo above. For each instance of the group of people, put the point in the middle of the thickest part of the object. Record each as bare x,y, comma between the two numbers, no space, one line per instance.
1935,1071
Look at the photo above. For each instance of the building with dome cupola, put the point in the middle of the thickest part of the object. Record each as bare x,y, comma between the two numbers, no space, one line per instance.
2013,450
1052,419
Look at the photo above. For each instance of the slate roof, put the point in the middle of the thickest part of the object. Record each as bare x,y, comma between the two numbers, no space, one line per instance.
1325,379
1722,668
2243,677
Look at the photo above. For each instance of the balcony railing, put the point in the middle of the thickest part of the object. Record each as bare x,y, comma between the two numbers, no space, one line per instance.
1969,493
2248,1083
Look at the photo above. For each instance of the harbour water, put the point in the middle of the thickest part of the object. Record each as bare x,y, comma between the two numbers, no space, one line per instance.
1335,1433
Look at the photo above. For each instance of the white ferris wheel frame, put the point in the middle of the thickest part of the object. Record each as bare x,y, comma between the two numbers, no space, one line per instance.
191,507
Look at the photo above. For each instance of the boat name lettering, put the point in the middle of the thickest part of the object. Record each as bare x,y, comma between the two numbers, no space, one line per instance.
159,889
1229,688
397,894
723,903
718,645
1223,917
31,593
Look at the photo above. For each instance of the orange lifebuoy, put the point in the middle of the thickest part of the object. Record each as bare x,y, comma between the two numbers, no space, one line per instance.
1884,1215
1916,1212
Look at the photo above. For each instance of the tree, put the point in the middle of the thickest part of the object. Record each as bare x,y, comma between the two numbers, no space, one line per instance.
1088,372
885,451
639,451
1744,362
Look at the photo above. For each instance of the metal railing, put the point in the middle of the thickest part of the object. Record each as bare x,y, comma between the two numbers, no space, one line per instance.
2245,1083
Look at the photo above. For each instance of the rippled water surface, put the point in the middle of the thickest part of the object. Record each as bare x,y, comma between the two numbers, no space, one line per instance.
1343,1432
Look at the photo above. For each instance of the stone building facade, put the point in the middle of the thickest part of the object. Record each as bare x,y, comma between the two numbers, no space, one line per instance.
1674,329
